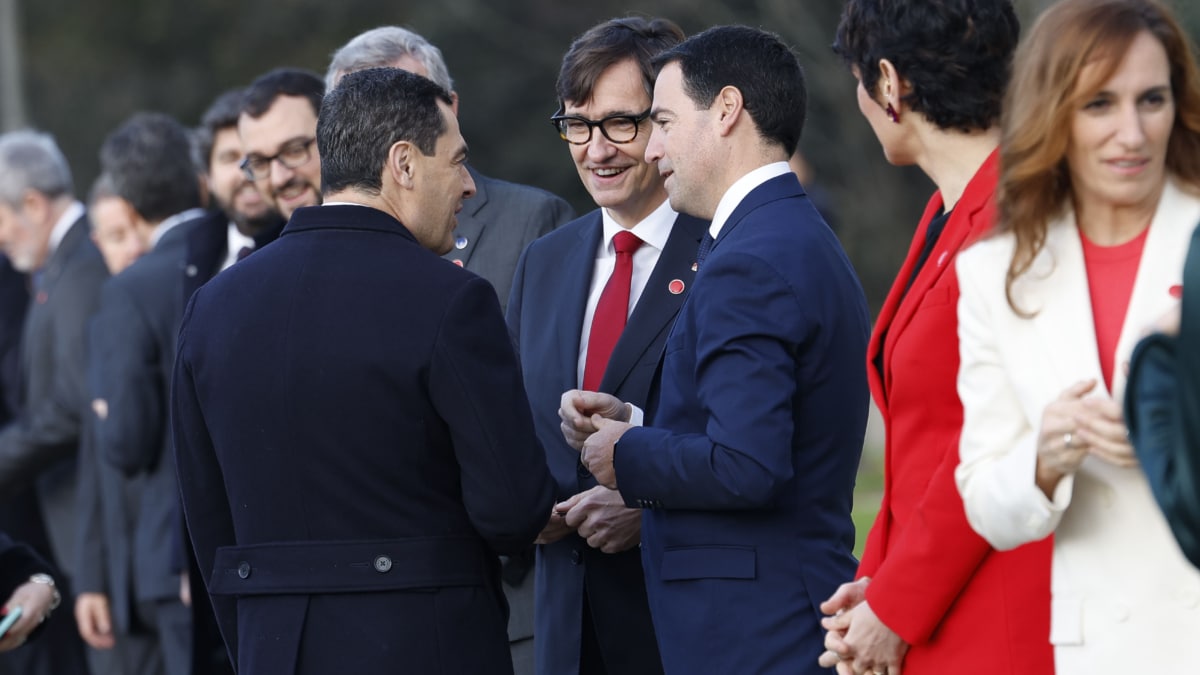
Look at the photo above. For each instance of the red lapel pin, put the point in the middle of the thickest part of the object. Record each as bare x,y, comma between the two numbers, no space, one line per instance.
1176,291
676,286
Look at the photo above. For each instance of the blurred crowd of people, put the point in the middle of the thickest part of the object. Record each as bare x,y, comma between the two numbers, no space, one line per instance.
300,390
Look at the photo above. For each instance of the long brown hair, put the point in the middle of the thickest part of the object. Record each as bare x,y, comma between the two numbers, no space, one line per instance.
1046,91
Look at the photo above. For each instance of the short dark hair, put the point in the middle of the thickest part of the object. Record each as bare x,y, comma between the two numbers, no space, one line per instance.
369,112
956,54
222,114
261,93
608,44
758,64
149,160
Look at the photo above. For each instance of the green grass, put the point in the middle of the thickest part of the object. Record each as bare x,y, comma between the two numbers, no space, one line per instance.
868,491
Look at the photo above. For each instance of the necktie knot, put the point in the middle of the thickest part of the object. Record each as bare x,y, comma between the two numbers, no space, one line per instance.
244,251
626,242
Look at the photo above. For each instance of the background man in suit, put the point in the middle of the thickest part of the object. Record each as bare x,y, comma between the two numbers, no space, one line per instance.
332,476
494,227
133,339
44,231
278,130
592,615
107,502
747,477
502,218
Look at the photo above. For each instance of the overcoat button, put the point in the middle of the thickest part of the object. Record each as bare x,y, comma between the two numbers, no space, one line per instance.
244,570
383,564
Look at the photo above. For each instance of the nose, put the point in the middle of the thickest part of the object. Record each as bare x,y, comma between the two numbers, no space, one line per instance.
1131,131
468,183
280,174
599,147
654,146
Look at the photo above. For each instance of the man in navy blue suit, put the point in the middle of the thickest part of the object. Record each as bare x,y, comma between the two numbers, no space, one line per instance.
746,477
352,469
592,615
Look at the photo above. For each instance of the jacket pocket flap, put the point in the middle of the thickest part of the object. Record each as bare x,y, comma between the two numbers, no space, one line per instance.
708,562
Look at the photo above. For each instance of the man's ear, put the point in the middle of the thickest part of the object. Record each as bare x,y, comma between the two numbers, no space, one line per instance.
729,107
34,206
401,165
454,102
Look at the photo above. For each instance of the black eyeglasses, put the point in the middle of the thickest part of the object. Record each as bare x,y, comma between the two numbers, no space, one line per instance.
619,128
293,155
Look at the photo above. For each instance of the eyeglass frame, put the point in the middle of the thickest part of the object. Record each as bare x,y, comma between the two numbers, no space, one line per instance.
557,118
307,144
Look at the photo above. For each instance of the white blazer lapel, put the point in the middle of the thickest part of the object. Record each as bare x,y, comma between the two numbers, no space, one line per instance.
1160,269
1055,287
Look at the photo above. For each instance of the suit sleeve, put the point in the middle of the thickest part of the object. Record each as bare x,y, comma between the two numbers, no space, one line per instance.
49,430
1162,409
929,565
18,562
130,437
91,558
202,485
998,447
475,385
750,319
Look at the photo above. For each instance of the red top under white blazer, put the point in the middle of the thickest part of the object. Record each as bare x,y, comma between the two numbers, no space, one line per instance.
962,606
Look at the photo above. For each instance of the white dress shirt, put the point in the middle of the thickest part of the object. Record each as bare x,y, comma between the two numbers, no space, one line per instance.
236,242
654,231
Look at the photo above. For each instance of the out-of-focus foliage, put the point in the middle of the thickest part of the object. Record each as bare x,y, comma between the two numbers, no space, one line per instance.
87,66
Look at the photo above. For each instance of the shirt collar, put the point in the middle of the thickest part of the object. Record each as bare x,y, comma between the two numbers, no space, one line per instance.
738,191
170,222
654,229
238,241
73,213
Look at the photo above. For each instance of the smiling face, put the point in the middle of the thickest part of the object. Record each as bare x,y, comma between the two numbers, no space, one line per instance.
682,146
288,122
617,175
1118,148
443,182
234,192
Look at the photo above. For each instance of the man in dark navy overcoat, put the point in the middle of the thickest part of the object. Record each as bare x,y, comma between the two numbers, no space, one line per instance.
352,434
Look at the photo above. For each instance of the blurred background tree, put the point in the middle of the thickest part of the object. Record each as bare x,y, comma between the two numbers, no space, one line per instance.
78,69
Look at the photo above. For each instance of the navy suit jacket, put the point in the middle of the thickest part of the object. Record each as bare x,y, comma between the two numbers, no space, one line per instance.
354,448
545,319
748,473
133,353
496,225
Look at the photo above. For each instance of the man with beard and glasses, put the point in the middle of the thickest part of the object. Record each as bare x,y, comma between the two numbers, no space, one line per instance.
278,130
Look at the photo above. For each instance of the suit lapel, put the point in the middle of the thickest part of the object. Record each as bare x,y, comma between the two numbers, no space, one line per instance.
779,187
572,296
883,324
658,305
470,225
1160,269
966,224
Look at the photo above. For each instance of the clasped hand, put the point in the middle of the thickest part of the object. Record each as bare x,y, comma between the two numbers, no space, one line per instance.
856,641
593,422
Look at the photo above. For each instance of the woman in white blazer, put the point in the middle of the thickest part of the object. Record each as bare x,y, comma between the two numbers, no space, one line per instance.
1099,194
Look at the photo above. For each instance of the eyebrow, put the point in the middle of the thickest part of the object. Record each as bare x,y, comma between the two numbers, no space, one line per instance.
655,113
281,146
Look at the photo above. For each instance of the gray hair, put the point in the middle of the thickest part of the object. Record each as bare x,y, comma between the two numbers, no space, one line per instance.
381,48
31,160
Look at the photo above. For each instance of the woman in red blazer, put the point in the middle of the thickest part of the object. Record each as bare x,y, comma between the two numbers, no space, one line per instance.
931,595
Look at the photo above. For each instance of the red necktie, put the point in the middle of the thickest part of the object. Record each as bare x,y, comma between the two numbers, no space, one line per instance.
611,311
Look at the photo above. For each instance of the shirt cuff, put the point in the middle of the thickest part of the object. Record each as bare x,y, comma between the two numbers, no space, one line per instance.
636,416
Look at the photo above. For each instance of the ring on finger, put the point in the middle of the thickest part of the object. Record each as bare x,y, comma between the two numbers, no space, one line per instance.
1069,440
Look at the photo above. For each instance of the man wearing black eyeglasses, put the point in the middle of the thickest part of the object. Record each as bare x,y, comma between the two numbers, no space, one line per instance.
278,128
591,306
